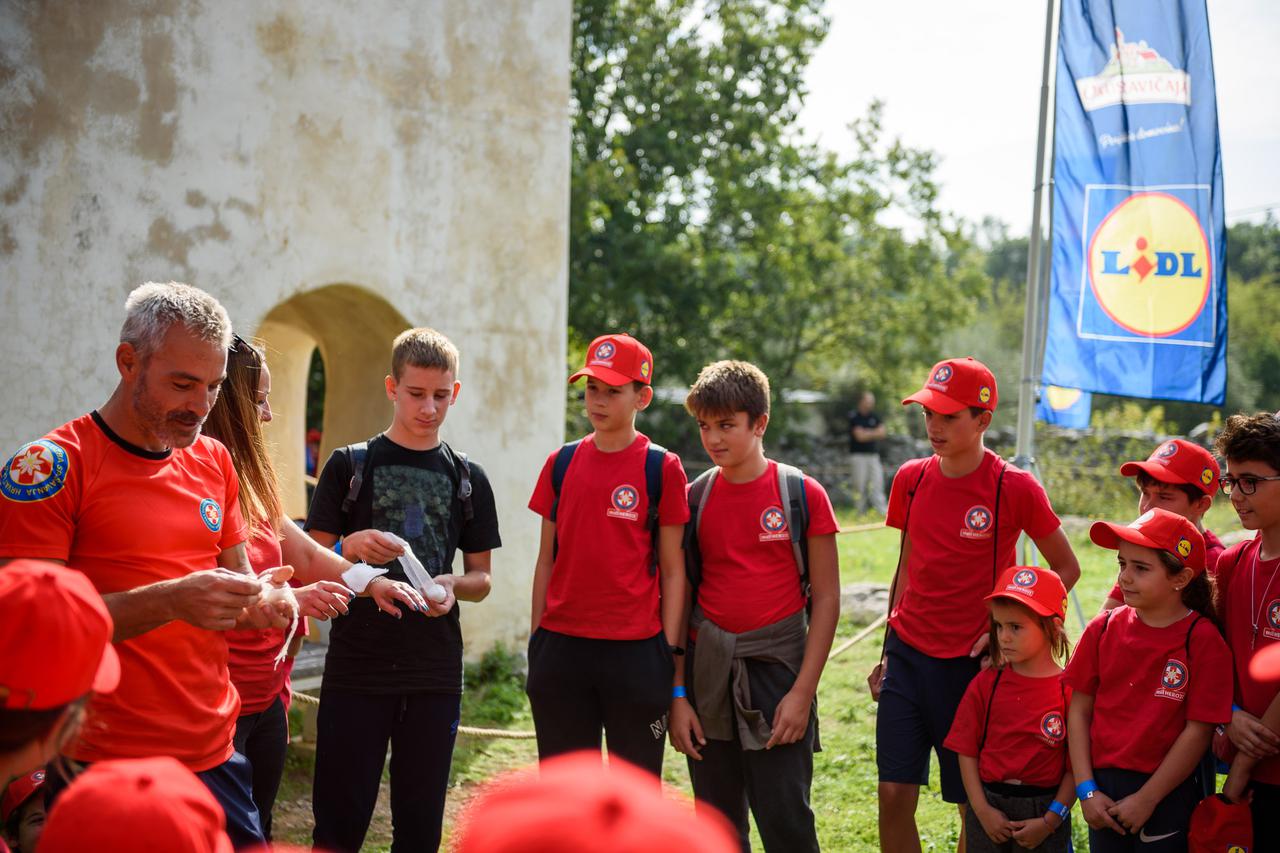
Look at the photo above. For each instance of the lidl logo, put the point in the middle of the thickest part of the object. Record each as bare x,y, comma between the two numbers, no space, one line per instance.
1206,476
1184,548
1148,265
644,369
984,394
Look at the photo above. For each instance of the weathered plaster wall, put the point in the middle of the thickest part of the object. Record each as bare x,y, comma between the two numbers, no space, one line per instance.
415,153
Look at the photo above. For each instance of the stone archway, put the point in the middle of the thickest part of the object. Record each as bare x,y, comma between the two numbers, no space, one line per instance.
353,328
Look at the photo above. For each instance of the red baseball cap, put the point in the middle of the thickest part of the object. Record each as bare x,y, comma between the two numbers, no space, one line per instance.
1159,529
617,360
18,792
1041,590
574,804
55,637
1179,461
136,804
955,384
1218,825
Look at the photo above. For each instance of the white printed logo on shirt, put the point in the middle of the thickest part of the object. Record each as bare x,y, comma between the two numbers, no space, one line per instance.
977,523
774,524
623,503
1173,681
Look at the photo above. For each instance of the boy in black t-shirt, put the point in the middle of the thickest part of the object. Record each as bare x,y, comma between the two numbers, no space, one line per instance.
399,680
867,474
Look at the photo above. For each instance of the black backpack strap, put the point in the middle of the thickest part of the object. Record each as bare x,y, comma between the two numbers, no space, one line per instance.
462,467
699,490
995,527
991,700
902,542
558,469
795,506
1187,643
361,462
654,457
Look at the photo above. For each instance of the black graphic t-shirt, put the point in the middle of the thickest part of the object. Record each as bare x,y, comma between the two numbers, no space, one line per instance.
868,421
412,493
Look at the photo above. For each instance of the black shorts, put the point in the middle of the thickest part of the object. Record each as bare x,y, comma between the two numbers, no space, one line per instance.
918,701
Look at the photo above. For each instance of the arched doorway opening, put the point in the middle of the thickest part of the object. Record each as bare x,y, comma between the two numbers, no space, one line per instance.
352,328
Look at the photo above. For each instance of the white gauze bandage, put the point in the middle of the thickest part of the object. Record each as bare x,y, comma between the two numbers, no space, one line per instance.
417,573
359,576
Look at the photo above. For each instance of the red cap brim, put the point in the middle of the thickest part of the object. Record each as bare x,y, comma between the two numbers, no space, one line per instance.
108,675
1163,473
1108,535
1027,602
935,401
606,375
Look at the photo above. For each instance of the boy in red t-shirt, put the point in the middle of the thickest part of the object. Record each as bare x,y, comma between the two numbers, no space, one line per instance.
961,512
606,619
1180,476
1249,605
749,720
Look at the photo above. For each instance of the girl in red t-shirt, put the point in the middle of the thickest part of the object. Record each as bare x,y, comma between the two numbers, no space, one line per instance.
1150,679
1010,730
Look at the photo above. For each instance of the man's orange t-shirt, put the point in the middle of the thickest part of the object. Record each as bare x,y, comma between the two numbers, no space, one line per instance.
127,517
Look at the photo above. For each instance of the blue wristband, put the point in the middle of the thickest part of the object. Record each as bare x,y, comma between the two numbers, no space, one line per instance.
677,692
1059,809
1235,708
1088,786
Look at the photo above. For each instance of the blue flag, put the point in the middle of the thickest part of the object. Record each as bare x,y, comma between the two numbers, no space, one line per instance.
1138,300
1064,407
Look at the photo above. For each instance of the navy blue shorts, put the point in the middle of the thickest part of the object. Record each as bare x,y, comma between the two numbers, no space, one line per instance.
918,701
231,784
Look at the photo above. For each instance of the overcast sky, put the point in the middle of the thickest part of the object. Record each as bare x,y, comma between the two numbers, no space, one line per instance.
962,77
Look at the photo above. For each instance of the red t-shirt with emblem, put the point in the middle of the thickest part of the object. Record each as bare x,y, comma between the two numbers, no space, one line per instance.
251,653
1213,549
749,573
1145,687
1027,728
600,584
128,518
941,611
1249,589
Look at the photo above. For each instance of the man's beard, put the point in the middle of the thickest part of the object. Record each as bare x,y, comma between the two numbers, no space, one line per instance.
174,429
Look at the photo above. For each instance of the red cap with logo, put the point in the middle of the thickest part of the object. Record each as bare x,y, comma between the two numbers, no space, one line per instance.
136,804
55,637
18,792
1040,590
1220,826
1159,529
955,384
574,804
1179,461
617,360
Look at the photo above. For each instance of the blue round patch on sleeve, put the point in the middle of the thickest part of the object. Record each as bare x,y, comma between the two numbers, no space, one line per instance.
211,514
36,472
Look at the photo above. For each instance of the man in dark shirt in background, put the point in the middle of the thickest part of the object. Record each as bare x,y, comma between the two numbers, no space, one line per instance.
865,430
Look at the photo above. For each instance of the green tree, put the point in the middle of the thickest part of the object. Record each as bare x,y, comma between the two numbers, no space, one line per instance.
701,222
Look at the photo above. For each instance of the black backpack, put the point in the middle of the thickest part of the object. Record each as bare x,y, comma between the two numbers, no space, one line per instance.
653,459
362,461
795,506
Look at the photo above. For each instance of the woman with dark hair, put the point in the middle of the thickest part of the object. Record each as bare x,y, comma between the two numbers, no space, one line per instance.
262,731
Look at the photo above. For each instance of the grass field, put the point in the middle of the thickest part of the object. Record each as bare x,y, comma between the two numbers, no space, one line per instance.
844,785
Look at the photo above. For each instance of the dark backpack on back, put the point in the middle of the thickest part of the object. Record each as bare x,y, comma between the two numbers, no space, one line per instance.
795,507
653,459
362,462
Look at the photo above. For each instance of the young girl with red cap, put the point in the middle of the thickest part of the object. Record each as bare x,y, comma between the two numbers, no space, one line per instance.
1015,772
1150,679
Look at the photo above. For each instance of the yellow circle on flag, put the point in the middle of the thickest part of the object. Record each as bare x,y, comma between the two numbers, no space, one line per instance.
1149,265
1061,398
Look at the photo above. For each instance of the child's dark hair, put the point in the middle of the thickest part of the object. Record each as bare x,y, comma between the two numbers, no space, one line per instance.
1250,438
1199,593
727,387
1193,493
1054,630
